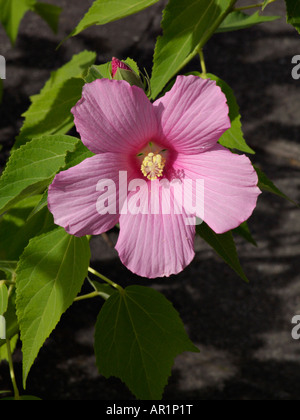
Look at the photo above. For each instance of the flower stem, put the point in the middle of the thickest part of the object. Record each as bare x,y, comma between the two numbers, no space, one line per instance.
202,62
9,282
88,296
111,283
11,370
11,288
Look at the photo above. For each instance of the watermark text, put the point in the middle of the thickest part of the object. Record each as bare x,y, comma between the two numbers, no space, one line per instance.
296,329
159,197
2,67
2,328
296,69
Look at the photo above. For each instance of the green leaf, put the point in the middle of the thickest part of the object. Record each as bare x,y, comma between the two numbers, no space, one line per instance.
31,168
3,297
11,222
234,137
13,11
104,11
138,335
245,233
264,183
132,64
224,246
76,67
50,275
50,111
80,153
98,72
11,14
238,20
49,13
41,222
41,205
184,28
293,13
17,228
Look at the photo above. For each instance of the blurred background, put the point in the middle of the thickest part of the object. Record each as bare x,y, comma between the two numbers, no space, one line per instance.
243,330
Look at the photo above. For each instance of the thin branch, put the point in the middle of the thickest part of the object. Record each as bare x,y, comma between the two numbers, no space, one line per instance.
110,282
11,370
252,6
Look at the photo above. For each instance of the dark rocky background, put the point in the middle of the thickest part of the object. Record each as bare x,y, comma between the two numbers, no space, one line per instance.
243,330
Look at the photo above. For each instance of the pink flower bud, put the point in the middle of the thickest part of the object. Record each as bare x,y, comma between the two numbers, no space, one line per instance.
117,64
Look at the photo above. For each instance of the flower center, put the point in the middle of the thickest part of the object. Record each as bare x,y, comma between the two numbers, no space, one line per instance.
153,166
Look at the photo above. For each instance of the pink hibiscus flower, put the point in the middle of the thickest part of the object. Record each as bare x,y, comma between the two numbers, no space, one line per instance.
175,137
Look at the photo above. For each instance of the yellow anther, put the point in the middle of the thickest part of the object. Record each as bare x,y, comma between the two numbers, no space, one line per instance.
153,166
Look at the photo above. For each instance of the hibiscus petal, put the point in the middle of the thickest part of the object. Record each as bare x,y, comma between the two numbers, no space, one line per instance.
74,194
113,116
230,186
155,245
193,115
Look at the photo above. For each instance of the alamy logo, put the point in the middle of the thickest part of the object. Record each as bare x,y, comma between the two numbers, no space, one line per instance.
160,197
296,69
296,329
2,67
2,328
